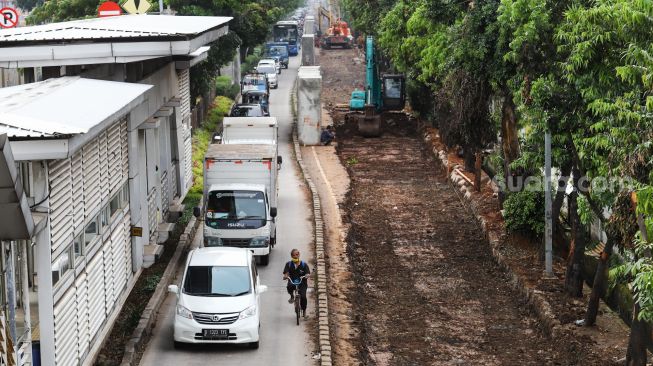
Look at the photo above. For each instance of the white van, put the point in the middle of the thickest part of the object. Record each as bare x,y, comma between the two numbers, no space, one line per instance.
218,300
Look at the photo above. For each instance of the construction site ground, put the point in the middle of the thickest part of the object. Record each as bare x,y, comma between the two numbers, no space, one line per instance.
412,278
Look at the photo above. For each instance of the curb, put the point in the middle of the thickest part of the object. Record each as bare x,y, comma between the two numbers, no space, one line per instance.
142,332
321,280
495,239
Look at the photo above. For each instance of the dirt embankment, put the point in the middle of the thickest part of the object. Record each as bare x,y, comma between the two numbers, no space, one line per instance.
425,290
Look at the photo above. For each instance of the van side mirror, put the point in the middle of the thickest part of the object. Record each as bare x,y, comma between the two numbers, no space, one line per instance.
197,212
273,211
279,159
173,288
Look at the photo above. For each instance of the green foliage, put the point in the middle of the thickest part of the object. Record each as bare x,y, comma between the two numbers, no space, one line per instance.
250,61
202,138
225,87
151,282
191,200
61,10
524,212
352,161
28,4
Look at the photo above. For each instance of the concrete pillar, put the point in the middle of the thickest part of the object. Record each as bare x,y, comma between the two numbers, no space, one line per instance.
135,197
308,50
309,24
309,104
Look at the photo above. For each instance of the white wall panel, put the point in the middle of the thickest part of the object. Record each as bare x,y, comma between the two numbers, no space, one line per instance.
95,273
91,169
114,158
81,300
78,192
103,166
184,91
61,208
65,329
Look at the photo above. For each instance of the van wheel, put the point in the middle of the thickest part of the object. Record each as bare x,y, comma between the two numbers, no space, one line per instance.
254,345
265,259
179,345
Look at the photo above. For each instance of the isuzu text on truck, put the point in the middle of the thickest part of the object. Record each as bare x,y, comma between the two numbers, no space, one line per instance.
240,197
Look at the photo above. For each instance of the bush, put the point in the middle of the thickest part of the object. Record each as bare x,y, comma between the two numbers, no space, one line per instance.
224,87
524,212
250,62
202,138
220,108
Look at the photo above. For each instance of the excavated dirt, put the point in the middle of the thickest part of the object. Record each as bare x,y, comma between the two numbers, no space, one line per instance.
425,289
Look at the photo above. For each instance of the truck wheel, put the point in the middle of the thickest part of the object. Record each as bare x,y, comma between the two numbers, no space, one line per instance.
273,241
253,345
265,260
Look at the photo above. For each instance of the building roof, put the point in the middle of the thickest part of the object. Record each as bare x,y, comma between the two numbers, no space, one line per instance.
64,106
117,39
124,27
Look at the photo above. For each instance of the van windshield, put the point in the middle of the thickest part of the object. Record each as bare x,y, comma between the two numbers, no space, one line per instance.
267,68
217,281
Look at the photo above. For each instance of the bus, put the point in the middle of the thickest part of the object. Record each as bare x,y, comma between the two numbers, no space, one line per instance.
287,31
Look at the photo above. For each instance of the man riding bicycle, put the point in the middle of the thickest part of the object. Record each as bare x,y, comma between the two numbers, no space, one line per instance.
294,270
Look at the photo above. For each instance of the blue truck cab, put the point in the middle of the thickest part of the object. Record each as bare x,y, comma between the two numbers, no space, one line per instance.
278,49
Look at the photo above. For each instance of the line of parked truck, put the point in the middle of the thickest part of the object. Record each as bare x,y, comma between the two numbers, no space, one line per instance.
240,186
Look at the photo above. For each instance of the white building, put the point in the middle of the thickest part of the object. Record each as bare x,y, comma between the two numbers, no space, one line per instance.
102,146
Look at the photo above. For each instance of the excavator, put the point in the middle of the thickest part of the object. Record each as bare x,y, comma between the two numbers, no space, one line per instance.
383,92
336,33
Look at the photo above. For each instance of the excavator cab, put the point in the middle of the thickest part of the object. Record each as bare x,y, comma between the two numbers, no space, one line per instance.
393,94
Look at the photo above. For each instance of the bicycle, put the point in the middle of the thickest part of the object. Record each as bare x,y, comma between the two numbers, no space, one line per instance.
297,296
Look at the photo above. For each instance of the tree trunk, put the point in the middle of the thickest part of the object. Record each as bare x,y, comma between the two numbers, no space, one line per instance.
640,331
600,277
575,259
599,286
509,136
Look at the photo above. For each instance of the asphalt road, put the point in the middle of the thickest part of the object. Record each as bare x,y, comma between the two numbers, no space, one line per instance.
282,342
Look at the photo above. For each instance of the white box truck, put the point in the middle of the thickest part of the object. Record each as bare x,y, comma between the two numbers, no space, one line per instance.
250,130
240,197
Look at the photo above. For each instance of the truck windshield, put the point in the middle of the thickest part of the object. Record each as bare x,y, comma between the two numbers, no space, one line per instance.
217,281
278,51
230,205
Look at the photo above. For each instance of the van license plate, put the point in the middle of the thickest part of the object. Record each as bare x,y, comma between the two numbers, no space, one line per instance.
215,333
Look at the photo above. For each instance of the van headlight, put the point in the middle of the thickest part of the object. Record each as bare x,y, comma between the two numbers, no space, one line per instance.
212,242
183,312
260,241
249,312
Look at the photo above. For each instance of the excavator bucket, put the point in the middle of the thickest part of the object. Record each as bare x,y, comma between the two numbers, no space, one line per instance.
369,124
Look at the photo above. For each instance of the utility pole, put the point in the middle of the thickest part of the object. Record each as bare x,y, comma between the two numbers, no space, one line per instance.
548,228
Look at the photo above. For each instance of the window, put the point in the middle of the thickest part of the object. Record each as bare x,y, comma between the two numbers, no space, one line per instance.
217,281
62,265
124,198
78,246
105,218
114,204
90,232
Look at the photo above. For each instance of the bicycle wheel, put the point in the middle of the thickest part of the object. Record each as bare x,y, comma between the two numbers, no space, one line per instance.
297,307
